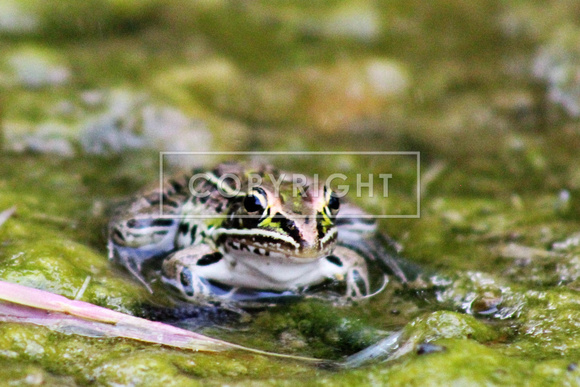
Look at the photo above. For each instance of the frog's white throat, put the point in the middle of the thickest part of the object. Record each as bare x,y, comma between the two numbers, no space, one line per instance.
276,272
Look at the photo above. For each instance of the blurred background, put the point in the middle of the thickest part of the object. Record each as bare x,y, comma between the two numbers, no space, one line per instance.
451,78
488,92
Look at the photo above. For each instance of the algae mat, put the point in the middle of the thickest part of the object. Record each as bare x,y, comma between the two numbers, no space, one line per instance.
487,92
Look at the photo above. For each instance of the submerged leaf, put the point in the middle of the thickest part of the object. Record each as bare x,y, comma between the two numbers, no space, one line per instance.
24,304
28,305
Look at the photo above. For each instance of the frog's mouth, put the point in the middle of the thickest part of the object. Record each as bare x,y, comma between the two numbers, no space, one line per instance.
272,244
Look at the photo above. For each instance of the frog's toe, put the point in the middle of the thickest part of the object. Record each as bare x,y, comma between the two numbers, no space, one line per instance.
357,284
192,285
191,271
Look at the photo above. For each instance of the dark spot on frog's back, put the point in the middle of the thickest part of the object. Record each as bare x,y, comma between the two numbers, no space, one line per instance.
163,222
146,223
183,229
138,224
209,259
193,232
168,201
334,260
178,184
156,199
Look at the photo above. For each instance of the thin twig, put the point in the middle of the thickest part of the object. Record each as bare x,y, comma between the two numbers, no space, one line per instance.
4,215
83,288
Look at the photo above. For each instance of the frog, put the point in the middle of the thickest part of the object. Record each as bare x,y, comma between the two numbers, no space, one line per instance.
244,232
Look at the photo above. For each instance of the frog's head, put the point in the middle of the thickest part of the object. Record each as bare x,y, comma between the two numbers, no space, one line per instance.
280,223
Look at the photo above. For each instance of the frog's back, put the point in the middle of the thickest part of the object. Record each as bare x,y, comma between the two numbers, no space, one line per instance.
144,227
167,216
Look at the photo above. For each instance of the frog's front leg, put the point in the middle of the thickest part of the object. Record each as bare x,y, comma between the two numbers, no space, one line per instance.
193,270
139,241
348,266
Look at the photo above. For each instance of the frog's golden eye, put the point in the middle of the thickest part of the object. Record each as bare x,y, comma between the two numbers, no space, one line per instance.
255,201
332,202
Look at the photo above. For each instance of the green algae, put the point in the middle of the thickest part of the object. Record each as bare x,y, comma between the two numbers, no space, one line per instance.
106,361
328,332
462,362
498,233
52,262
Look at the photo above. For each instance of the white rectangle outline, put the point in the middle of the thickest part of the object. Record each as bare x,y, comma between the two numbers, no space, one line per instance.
298,153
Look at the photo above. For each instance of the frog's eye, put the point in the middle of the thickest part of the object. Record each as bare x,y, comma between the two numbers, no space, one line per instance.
252,203
332,201
255,201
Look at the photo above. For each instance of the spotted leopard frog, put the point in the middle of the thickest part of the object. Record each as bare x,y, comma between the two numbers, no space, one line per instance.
237,240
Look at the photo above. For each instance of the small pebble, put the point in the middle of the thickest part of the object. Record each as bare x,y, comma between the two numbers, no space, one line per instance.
427,348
